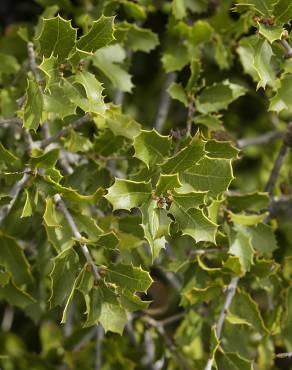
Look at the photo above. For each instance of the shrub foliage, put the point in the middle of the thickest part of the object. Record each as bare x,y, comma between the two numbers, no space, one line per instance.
146,186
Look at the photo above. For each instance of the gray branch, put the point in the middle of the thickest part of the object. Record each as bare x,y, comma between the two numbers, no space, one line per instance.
261,139
98,347
230,291
164,102
287,47
276,169
65,131
62,206
32,62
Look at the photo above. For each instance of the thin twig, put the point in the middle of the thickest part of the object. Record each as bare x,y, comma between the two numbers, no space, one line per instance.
173,318
98,347
230,291
32,62
284,355
201,252
276,169
191,112
288,48
65,131
14,192
164,103
62,206
261,139
8,317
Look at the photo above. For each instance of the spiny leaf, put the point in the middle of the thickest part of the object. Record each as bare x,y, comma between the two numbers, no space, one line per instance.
99,35
57,38
262,63
65,268
283,98
151,147
126,194
246,219
14,261
240,246
185,158
271,33
134,279
212,175
221,149
33,108
167,183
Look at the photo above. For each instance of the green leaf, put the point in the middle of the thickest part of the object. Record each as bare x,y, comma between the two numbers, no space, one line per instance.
262,237
151,147
192,221
103,306
33,108
167,183
178,9
212,122
93,101
271,33
185,158
27,209
14,261
122,124
99,35
283,98
246,219
240,246
108,60
218,96
45,160
56,102
128,277
6,156
155,223
283,11
247,309
126,194
49,67
212,175
176,61
13,294
57,38
9,64
232,361
221,149
256,201
65,269
262,63
189,200
140,39
201,32
176,91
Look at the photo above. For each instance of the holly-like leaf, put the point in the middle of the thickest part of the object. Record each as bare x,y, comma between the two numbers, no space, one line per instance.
65,269
185,158
128,277
27,209
283,11
240,246
151,147
49,67
218,96
14,261
13,294
104,308
221,149
57,38
262,63
283,98
212,175
108,60
121,124
57,102
176,91
246,308
256,201
33,108
139,39
246,219
155,223
126,194
167,183
99,35
271,33
192,221
232,361
176,61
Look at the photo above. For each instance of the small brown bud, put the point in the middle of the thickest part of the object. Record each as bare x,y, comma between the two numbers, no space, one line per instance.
285,34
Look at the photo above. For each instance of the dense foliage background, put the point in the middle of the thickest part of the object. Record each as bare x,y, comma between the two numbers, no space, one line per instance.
145,202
